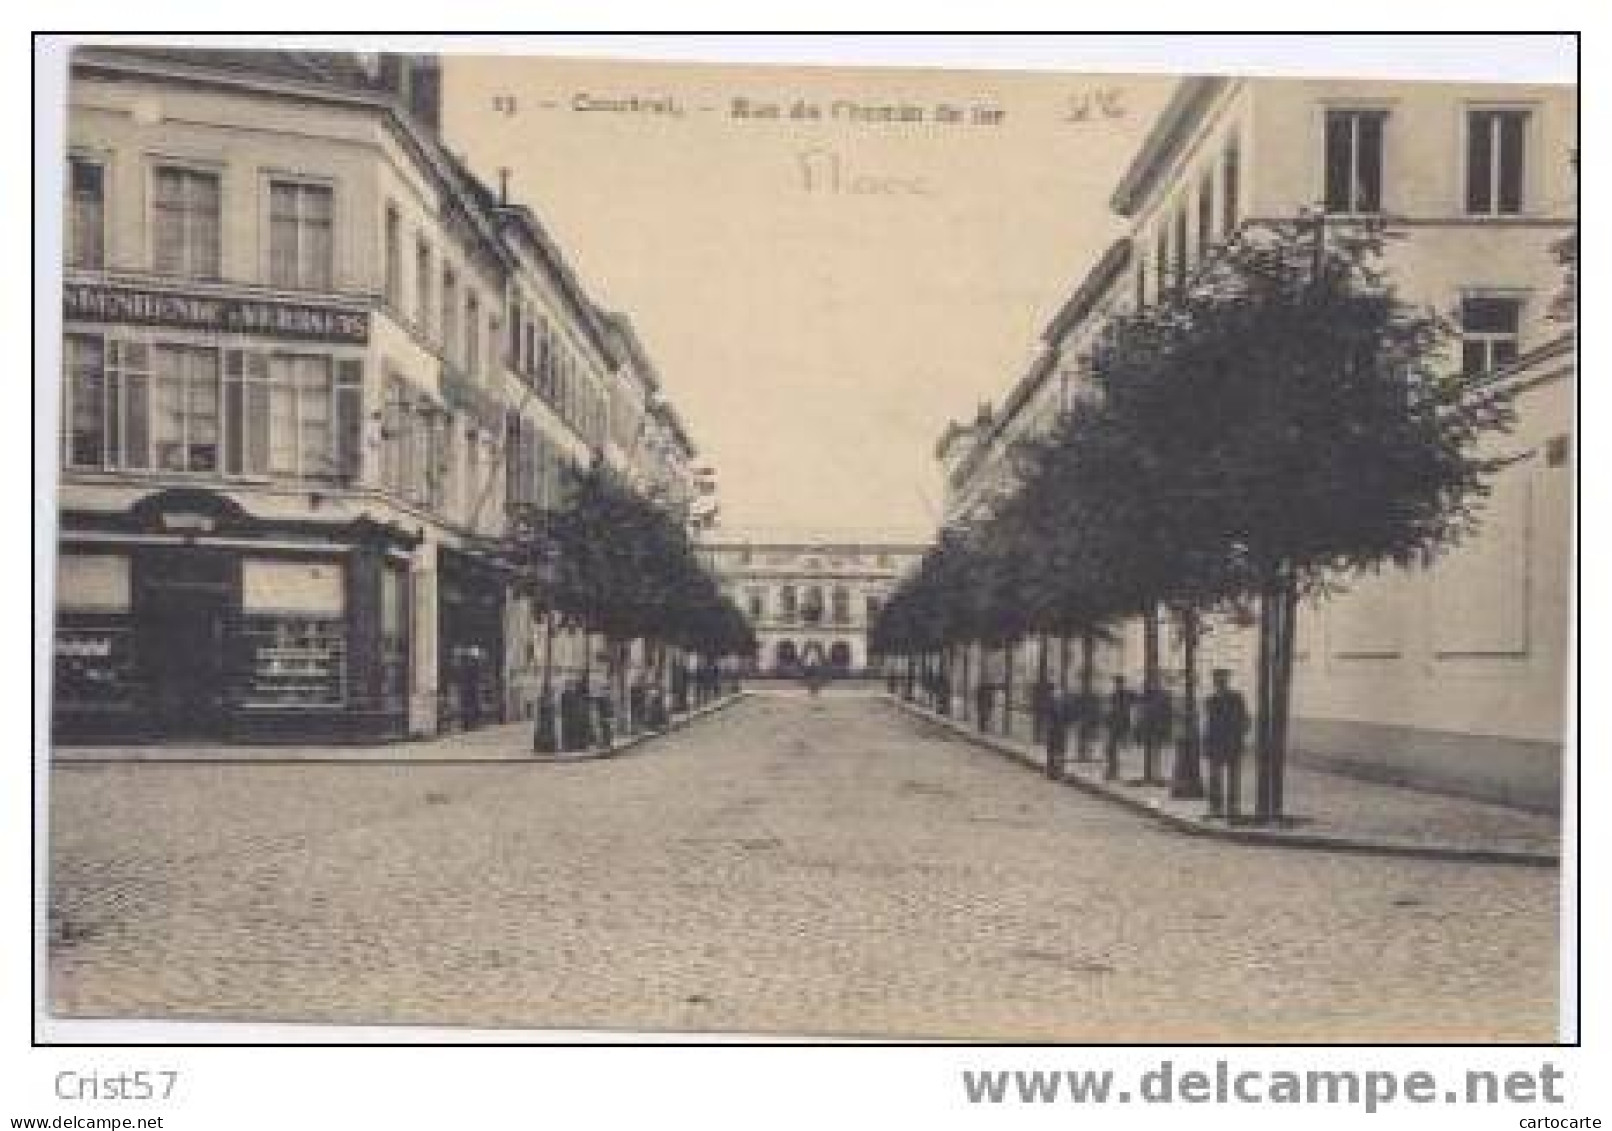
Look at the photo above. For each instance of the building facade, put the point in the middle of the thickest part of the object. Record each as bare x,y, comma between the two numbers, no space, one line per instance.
810,599
1453,676
311,368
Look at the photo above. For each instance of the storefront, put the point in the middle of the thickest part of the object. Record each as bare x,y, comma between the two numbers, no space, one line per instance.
471,597
187,618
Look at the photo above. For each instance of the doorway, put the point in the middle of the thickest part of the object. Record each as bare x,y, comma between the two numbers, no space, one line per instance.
184,613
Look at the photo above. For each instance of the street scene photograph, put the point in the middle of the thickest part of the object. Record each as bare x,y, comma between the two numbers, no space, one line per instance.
815,553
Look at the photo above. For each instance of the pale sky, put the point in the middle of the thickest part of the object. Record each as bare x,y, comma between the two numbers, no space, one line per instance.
816,341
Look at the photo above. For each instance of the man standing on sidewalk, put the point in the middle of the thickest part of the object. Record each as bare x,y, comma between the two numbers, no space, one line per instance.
1119,726
1225,730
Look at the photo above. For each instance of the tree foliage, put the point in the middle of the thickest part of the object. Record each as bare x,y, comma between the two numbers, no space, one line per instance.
1273,425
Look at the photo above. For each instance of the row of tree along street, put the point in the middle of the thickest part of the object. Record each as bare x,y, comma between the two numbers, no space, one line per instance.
621,567
1278,422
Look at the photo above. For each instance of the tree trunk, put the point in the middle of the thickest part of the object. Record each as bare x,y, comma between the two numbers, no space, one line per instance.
547,723
1151,683
1088,696
967,706
1040,697
1283,706
1187,779
1007,689
1264,742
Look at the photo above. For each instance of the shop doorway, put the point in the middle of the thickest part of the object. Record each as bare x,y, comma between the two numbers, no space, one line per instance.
184,613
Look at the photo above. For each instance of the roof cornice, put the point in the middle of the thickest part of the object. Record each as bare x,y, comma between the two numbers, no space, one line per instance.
427,149
1090,291
1186,107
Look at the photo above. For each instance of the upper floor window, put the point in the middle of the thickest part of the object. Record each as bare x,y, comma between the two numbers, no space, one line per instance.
1181,246
185,222
1231,186
422,287
1161,256
393,282
301,251
1354,161
1206,214
811,609
185,412
86,213
754,603
1496,140
450,314
841,605
1490,330
472,334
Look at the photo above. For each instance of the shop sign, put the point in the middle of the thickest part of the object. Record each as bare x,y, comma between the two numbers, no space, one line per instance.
97,302
84,647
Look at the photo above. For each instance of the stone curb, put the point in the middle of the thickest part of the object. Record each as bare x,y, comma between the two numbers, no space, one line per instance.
520,758
1198,826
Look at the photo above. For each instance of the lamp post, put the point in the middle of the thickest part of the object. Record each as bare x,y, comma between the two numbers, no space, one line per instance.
546,731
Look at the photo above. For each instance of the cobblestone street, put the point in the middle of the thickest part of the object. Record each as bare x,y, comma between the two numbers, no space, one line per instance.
788,865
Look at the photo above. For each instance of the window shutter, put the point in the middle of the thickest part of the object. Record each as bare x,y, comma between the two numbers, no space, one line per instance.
349,418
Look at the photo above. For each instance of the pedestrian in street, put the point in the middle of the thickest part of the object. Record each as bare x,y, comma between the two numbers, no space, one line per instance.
1225,731
984,695
1119,726
1157,719
1060,708
575,729
680,688
605,712
469,687
655,709
637,706
1040,709
1086,718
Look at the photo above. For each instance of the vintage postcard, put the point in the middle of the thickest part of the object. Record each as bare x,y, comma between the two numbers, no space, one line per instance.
552,543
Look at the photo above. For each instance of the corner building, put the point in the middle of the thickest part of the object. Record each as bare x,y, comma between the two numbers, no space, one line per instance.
310,365
1452,677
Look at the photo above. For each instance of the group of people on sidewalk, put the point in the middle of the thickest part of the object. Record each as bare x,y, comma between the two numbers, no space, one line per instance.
1125,718
582,718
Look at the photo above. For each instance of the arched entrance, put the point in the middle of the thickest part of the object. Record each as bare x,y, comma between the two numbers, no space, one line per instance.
839,656
786,656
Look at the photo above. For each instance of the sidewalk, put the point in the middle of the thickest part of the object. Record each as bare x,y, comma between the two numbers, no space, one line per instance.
1329,811
504,742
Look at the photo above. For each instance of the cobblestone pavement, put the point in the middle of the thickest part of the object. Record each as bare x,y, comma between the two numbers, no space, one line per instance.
827,866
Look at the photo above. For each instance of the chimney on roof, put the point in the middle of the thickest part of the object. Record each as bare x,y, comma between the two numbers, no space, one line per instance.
416,80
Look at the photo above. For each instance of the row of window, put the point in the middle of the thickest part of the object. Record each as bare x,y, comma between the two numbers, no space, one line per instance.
455,322
187,224
186,241
1354,158
807,605
539,352
178,407
1353,164
534,468
1170,252
443,312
